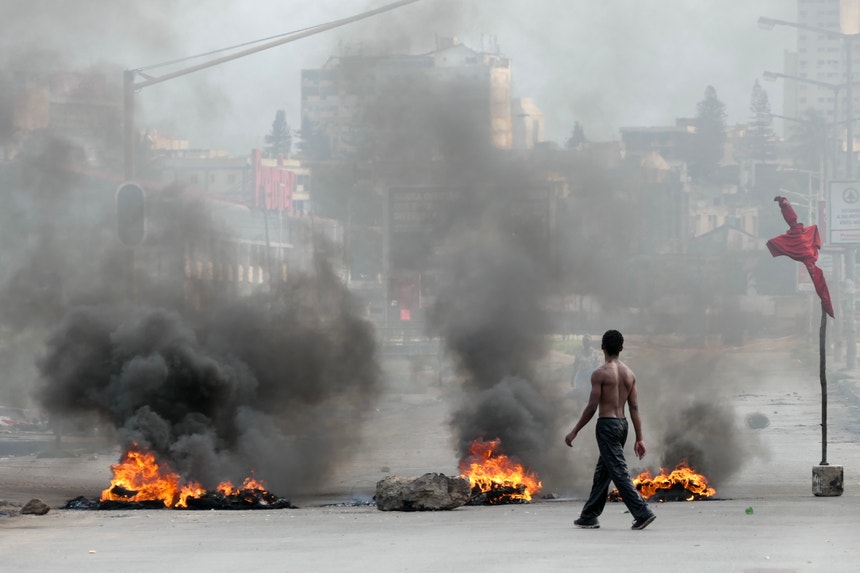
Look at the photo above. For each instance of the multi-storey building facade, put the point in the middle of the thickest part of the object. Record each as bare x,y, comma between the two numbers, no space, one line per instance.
352,93
81,107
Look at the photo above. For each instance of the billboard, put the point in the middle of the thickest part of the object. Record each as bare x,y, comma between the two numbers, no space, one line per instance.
843,210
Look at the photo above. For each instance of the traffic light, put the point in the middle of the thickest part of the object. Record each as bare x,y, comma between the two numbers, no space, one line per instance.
131,214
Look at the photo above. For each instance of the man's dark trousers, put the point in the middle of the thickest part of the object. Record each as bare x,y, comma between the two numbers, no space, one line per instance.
611,467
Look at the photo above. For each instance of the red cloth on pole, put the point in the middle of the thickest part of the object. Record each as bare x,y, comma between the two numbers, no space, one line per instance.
801,244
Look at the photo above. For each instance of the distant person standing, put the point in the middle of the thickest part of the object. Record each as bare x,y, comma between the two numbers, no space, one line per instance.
586,361
612,386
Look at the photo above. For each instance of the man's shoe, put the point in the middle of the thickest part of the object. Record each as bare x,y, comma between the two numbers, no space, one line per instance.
587,523
643,523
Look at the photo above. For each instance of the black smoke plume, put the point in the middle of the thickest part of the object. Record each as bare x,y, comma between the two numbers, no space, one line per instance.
273,384
490,316
705,436
502,244
686,402
491,256
217,381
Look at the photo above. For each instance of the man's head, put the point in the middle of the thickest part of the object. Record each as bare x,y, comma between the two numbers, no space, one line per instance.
613,342
586,342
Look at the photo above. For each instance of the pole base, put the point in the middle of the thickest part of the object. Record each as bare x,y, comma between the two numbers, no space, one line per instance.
827,481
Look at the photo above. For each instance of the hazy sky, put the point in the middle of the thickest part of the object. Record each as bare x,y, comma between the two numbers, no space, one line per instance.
607,64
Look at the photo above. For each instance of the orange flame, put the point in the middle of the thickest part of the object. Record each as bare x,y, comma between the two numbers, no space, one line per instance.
250,483
695,484
490,470
139,477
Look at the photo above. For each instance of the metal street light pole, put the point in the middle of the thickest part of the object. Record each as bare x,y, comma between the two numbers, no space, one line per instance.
848,43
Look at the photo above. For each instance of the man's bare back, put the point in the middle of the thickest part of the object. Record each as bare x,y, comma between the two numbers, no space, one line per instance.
613,385
615,382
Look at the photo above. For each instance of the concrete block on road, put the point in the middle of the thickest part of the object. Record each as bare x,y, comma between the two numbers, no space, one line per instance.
827,481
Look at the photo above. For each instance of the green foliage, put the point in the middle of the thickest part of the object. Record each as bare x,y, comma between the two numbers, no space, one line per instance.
761,142
577,137
280,139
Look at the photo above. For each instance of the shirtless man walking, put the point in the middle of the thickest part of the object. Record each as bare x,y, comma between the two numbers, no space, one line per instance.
612,386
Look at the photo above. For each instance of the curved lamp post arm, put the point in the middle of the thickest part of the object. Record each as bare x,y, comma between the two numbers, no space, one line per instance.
130,87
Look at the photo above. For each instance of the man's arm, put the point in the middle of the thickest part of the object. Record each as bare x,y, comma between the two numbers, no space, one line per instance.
633,405
590,408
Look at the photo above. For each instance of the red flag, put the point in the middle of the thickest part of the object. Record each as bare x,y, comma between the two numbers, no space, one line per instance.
801,244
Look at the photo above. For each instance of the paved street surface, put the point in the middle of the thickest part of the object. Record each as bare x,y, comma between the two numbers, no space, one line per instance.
764,520
802,534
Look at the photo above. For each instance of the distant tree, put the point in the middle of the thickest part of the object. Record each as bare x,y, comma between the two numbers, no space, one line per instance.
761,142
577,137
707,147
280,139
313,144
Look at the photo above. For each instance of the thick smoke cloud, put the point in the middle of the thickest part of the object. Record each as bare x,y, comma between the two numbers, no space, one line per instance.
686,399
491,321
491,256
497,269
707,437
271,384
219,392
215,382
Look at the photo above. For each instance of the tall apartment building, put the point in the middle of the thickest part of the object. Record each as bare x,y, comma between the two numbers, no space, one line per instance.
351,93
81,107
822,60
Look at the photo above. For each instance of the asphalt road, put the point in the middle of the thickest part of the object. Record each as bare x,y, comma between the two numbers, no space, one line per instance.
798,534
764,520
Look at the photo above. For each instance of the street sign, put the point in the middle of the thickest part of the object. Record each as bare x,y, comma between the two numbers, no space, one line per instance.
843,208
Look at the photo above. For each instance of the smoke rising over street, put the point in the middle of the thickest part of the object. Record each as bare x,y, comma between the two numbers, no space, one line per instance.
279,381
273,382
273,385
